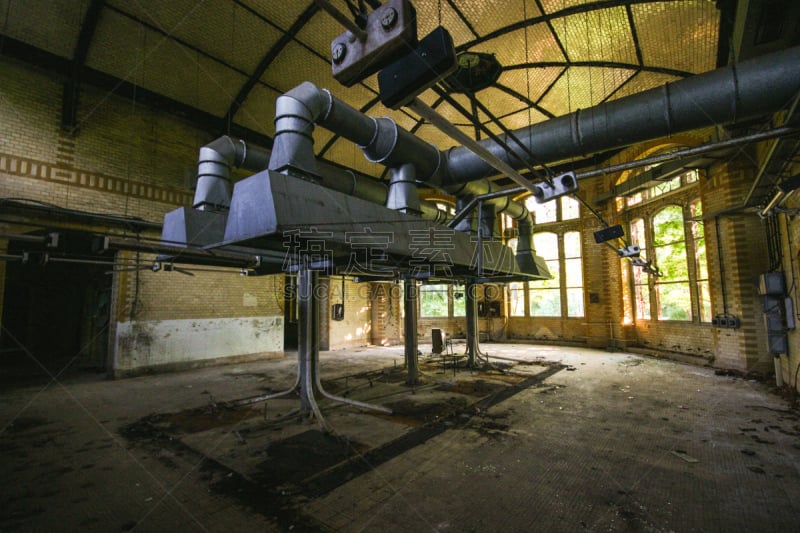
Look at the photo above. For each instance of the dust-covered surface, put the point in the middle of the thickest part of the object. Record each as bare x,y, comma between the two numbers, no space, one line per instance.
544,438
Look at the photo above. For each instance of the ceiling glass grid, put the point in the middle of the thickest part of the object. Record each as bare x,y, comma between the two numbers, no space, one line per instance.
561,55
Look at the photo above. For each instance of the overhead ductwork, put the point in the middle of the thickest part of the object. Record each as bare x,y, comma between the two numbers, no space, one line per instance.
725,96
214,165
382,141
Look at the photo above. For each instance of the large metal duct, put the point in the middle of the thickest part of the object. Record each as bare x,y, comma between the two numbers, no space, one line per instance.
214,165
728,95
382,141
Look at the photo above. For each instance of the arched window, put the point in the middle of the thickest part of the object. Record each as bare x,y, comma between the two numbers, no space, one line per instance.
700,261
669,246
641,286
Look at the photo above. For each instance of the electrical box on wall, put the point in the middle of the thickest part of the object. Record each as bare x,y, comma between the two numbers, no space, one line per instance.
772,284
490,309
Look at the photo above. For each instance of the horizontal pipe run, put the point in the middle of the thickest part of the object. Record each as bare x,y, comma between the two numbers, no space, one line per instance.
750,89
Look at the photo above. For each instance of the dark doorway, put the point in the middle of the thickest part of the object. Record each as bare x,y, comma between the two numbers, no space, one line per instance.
56,308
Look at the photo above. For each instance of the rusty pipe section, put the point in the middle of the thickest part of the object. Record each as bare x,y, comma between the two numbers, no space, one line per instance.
213,191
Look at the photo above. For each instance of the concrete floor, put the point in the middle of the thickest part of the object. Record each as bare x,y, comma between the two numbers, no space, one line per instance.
551,439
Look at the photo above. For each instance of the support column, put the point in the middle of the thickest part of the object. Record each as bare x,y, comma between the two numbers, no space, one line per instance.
308,340
410,328
471,308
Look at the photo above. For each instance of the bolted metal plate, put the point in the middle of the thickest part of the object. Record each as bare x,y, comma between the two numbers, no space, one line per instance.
391,32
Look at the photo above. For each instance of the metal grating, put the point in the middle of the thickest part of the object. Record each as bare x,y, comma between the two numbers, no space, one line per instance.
318,33
499,102
216,85
582,87
553,6
603,35
296,65
428,19
510,48
491,15
642,82
281,14
681,36
518,120
431,134
258,111
540,80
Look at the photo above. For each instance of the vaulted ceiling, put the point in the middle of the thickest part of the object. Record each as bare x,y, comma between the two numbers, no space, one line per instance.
224,62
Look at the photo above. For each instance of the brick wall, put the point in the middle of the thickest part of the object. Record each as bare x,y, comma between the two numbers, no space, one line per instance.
125,160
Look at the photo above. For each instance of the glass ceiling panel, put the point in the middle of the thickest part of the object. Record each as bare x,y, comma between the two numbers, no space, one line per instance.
582,87
428,19
499,102
509,49
552,6
642,82
540,80
487,16
602,35
518,120
681,36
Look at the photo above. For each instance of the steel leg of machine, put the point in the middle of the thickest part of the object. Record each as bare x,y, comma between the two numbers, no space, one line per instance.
410,331
308,351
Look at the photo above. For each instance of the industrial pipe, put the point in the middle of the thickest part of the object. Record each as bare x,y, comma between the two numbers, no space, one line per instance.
728,95
214,165
381,140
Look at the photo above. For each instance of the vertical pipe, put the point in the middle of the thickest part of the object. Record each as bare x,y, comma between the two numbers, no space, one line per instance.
410,330
471,309
307,342
403,195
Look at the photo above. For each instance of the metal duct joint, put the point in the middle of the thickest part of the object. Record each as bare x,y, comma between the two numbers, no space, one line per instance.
381,140
214,167
403,195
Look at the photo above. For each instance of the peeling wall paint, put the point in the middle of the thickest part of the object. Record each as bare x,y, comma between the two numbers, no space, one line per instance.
142,344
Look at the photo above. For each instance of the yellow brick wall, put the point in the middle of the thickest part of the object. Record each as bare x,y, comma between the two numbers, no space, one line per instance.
125,159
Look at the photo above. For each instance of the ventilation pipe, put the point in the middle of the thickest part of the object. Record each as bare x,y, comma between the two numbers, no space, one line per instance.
213,192
381,140
728,95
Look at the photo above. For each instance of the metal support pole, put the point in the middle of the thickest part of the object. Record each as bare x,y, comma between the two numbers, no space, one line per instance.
308,381
471,309
410,330
308,342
